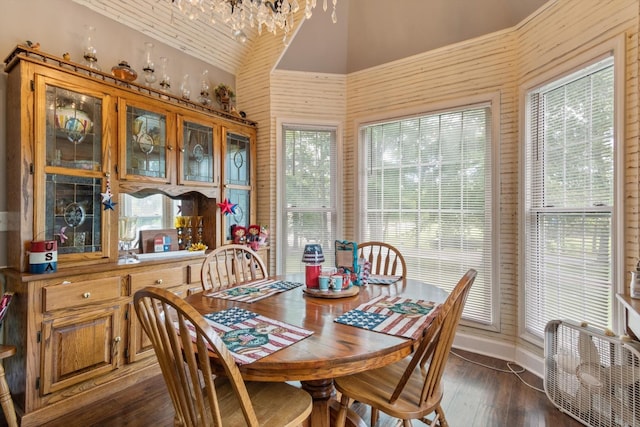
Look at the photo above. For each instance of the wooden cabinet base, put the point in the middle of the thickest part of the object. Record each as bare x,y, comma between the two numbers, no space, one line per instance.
70,354
55,410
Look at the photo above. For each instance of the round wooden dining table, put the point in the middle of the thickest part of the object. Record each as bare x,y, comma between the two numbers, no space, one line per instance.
334,349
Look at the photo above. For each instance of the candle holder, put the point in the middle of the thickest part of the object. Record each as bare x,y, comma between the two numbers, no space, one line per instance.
199,229
179,224
188,231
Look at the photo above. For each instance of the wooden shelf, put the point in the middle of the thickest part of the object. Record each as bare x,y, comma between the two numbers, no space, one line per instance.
632,315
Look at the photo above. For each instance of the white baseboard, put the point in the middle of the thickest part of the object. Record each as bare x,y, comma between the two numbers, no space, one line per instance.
501,350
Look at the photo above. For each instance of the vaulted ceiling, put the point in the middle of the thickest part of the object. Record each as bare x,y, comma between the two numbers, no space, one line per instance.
368,32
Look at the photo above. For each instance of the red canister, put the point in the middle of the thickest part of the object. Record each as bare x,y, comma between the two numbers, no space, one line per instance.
312,272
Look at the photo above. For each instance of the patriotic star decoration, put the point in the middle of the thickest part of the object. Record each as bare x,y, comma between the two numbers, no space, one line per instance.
61,235
226,207
106,196
109,204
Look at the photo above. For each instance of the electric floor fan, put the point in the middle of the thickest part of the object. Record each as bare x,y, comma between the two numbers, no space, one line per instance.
592,375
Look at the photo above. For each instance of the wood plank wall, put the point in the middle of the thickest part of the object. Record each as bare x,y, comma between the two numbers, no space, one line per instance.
563,32
254,96
496,63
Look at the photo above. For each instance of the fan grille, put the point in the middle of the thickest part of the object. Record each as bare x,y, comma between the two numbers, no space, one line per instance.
592,376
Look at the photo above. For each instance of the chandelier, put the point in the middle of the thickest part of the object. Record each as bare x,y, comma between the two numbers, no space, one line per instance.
272,15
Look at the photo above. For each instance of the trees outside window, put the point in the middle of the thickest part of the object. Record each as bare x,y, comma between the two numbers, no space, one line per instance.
309,192
569,199
426,188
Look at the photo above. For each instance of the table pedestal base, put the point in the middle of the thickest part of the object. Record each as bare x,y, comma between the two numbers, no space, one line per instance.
325,407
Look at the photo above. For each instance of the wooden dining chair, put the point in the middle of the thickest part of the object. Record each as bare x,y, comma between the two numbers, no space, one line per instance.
184,343
411,389
385,259
229,265
5,394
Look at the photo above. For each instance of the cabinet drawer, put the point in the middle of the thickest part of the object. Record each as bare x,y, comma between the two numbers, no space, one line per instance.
165,277
67,295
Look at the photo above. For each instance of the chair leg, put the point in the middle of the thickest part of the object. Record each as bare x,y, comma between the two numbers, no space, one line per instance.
374,416
6,402
341,417
442,421
406,423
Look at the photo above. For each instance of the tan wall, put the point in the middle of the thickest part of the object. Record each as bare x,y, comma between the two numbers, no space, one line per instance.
497,63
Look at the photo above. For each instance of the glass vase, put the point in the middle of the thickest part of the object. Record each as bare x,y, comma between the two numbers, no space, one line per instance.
204,98
149,67
127,234
89,52
185,89
165,79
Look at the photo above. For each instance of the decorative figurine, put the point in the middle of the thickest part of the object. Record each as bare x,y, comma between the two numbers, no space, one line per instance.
224,96
239,234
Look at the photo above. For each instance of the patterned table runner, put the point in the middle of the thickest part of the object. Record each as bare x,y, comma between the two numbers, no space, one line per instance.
378,279
254,291
392,315
251,336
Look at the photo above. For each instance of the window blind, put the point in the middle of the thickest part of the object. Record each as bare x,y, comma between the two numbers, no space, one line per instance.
309,203
569,179
427,191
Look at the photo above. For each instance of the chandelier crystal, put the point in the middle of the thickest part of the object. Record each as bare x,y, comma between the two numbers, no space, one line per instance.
271,15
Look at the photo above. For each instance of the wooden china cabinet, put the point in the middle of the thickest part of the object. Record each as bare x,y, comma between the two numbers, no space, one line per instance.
78,139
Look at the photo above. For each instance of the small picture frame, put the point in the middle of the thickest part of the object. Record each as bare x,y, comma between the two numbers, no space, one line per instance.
346,254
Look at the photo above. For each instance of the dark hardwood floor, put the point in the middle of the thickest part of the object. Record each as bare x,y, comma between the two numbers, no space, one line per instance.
474,396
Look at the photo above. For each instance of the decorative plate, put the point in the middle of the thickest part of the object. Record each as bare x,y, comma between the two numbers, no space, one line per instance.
198,152
75,123
145,142
74,215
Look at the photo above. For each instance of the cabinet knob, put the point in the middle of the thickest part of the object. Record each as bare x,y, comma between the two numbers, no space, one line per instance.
182,150
86,295
159,282
170,147
117,339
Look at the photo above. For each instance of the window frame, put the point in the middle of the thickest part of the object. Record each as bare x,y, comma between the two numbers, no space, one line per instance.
280,178
614,48
493,101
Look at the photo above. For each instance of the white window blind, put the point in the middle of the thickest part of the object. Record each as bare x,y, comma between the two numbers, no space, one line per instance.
569,179
427,190
309,199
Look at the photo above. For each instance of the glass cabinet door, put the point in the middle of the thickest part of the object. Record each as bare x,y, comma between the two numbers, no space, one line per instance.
145,153
238,182
73,176
74,132
241,212
197,162
238,167
73,213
